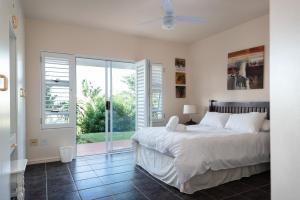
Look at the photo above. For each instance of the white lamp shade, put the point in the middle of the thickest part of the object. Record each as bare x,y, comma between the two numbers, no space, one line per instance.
189,109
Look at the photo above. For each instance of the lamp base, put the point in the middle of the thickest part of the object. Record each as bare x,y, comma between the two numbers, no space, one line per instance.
191,122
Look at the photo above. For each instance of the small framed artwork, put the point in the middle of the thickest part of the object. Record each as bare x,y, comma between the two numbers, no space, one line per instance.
180,78
180,64
180,91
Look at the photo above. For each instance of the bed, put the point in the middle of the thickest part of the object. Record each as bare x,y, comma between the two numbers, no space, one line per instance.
204,157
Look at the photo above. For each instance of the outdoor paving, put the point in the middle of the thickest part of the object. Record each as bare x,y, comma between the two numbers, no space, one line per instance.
100,147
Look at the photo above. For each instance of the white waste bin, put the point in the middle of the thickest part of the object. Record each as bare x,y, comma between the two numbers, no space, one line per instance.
66,154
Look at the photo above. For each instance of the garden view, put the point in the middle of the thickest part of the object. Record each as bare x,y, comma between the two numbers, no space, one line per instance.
91,111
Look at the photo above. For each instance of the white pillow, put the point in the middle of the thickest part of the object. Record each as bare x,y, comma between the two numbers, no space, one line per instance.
215,119
172,123
246,122
265,126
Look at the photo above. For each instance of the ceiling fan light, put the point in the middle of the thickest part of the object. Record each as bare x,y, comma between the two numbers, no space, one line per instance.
168,27
168,22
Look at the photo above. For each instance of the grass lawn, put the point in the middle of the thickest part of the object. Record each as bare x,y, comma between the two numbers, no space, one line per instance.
100,137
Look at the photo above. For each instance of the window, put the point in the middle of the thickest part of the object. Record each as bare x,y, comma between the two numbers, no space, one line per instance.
157,92
58,105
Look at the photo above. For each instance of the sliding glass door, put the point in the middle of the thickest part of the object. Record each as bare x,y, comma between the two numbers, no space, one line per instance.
122,117
105,105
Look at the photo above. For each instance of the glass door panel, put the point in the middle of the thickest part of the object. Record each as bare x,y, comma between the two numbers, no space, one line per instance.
123,103
91,92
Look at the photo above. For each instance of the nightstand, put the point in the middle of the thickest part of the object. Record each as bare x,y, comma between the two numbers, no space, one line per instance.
191,122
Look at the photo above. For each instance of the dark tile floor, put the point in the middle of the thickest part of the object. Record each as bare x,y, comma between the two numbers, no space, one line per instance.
115,176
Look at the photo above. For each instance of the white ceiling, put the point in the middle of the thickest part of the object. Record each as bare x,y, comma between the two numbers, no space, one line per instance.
125,15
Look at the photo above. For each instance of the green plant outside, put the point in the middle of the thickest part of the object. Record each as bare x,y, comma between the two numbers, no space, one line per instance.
100,137
91,113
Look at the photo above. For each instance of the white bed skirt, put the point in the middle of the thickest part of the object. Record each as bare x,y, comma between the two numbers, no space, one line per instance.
161,167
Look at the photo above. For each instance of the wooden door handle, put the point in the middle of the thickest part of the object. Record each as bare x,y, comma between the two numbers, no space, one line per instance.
3,83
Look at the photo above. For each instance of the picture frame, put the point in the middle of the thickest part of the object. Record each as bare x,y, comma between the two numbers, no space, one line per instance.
245,69
180,78
180,64
180,91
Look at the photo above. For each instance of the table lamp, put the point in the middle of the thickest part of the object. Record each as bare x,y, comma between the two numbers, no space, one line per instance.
188,110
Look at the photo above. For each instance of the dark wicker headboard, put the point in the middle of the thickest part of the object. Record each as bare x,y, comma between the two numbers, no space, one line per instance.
239,107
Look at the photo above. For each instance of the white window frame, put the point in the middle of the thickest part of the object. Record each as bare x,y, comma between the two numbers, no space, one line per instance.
162,94
72,91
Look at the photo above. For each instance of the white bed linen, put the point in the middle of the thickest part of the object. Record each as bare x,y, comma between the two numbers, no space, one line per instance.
202,148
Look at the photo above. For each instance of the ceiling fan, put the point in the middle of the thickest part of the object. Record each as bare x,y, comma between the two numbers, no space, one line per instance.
169,20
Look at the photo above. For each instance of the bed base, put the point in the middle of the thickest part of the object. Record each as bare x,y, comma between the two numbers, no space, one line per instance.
161,167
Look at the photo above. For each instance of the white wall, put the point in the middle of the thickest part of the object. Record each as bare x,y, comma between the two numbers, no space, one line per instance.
209,63
285,98
56,37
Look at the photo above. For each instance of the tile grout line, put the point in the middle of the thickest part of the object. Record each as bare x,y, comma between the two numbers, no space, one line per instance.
99,177
246,198
103,184
141,192
113,195
110,166
46,180
213,198
87,164
239,193
74,181
263,190
255,188
159,183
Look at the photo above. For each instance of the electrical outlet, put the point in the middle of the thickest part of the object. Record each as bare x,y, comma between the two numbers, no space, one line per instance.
34,142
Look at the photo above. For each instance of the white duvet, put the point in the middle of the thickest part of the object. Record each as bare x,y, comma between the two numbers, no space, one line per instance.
201,148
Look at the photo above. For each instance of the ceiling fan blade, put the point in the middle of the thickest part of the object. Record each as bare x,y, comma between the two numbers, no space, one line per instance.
191,19
150,21
167,6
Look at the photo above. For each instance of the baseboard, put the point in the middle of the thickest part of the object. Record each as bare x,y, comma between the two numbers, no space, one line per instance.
43,160
57,158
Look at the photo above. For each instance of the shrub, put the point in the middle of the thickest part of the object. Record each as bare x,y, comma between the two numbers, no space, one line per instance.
91,110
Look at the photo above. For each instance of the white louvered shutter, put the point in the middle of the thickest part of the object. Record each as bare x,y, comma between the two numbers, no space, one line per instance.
58,94
157,93
142,94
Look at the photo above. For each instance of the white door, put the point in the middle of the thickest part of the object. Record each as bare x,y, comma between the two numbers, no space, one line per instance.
142,94
4,101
